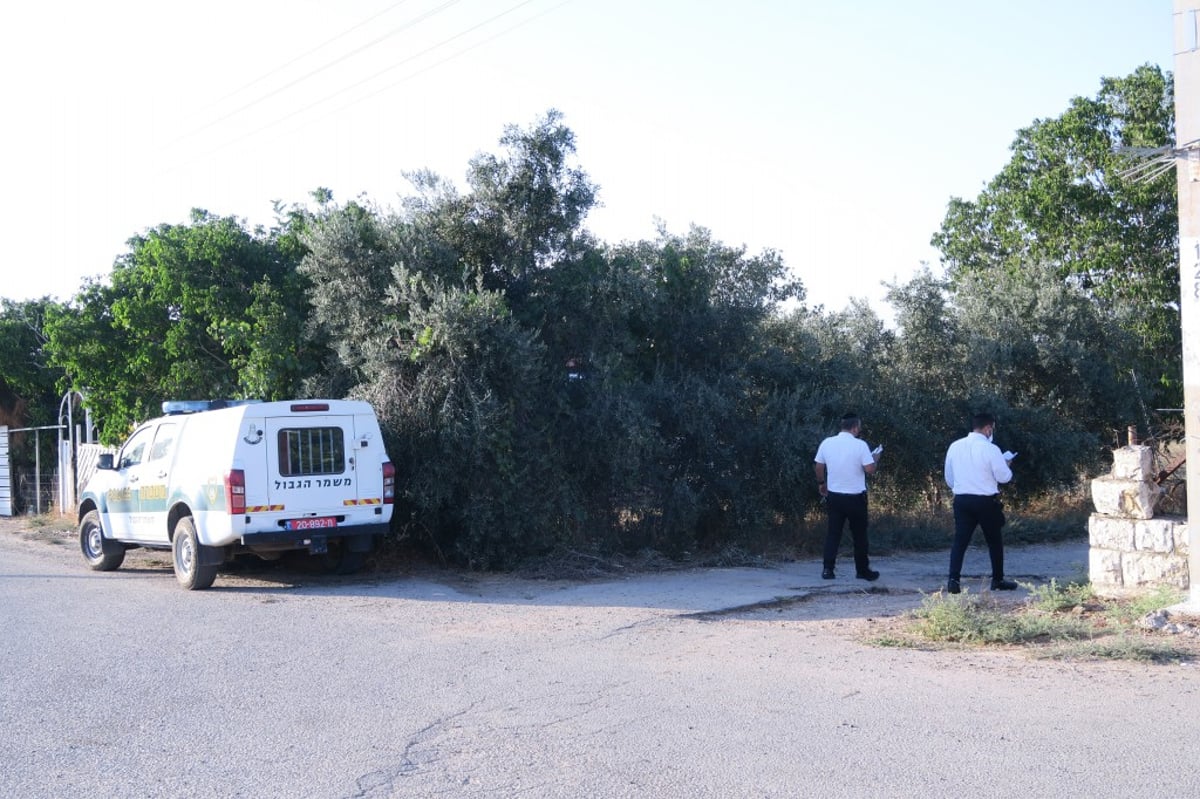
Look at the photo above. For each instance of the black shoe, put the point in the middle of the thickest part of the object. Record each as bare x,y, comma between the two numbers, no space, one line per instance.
827,574
870,575
1003,585
952,586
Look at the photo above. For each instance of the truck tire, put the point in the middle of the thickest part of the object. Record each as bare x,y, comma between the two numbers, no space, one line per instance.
101,554
340,560
187,555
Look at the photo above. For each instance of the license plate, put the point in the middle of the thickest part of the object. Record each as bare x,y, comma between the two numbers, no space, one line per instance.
315,523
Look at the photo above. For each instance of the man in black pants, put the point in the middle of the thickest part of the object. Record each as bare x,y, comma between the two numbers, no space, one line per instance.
842,465
975,468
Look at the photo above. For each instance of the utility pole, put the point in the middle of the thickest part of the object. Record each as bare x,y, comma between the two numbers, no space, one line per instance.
1187,176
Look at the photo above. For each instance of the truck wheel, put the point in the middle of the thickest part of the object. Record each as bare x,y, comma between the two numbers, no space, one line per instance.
101,554
351,562
188,556
340,560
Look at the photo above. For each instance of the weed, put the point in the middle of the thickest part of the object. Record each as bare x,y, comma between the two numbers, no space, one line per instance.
893,641
973,619
1055,598
1062,622
1130,611
48,527
47,522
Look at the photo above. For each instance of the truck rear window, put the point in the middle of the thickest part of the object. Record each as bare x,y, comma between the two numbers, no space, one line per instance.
311,450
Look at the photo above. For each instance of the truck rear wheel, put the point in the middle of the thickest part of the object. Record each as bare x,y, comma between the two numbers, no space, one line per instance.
188,555
101,554
340,560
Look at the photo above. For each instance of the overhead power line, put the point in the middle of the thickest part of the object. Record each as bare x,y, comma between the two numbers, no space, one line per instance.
453,56
396,66
307,53
395,31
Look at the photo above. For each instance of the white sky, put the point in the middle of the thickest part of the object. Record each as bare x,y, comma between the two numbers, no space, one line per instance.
833,132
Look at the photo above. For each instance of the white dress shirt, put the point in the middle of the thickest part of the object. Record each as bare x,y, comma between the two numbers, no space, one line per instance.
844,457
975,465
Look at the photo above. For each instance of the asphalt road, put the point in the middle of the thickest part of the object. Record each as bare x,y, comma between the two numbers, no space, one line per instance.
287,685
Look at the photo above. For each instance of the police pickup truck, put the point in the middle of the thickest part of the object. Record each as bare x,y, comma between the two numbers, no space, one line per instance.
210,480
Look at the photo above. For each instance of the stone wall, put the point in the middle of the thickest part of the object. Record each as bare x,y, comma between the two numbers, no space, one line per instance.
1131,549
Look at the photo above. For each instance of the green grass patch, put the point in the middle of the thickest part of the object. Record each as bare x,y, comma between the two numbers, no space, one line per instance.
977,619
1133,609
1058,621
1056,598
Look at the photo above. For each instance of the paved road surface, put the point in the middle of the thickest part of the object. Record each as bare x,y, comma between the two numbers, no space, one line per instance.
285,685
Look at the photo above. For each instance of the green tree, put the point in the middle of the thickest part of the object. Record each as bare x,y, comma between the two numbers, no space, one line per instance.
1068,200
547,390
191,311
526,207
468,399
350,253
435,313
29,386
1055,361
1026,346
690,364
29,393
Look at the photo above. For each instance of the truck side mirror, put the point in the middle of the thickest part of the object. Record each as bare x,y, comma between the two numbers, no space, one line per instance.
105,461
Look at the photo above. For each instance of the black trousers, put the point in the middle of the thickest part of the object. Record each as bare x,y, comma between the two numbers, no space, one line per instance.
971,511
840,509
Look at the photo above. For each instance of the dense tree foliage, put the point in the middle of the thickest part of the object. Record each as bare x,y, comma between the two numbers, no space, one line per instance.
546,387
29,394
1033,349
540,389
1071,198
191,311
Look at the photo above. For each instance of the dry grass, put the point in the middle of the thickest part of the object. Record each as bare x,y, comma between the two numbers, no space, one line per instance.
48,527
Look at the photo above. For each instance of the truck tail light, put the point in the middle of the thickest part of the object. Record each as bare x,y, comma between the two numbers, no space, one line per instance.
389,483
235,492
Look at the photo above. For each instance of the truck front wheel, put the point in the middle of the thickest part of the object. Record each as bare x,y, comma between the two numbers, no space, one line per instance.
101,554
192,569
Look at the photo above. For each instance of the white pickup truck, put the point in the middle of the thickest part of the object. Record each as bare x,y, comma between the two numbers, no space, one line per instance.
213,479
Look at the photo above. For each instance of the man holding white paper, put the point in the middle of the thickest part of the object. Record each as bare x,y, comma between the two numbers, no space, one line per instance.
842,464
975,469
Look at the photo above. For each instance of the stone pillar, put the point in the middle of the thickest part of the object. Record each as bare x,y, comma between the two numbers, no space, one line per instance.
1129,492
1130,549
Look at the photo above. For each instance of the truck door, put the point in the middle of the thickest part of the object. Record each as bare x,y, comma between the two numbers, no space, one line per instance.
121,498
311,468
150,521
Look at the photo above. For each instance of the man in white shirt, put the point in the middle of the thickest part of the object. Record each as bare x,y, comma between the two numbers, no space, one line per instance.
842,465
975,469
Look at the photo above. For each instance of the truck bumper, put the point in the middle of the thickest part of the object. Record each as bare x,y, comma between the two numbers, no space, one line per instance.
356,538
